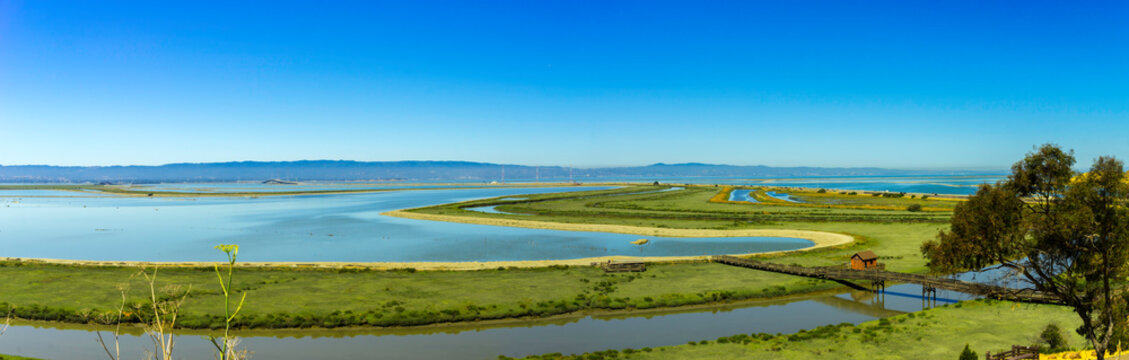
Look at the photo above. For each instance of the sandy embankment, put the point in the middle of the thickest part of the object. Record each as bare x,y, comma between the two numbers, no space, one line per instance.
820,238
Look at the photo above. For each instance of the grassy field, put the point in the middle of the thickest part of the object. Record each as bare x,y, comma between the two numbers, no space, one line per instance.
330,298
822,198
326,298
939,333
895,235
687,208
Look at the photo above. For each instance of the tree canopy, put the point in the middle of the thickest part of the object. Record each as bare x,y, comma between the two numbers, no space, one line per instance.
1067,233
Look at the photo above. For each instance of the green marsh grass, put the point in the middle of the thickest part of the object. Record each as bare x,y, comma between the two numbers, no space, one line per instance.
296,298
939,333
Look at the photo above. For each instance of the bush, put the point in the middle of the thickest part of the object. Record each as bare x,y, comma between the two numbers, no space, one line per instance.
914,207
1052,336
822,191
968,354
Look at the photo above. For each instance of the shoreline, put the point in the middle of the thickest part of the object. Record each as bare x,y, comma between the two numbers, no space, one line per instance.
140,191
119,191
452,326
820,239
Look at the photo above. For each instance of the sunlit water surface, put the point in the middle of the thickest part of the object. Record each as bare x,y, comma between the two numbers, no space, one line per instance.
349,228
346,227
574,335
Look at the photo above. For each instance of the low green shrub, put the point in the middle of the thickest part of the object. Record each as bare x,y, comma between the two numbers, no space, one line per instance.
968,354
1052,337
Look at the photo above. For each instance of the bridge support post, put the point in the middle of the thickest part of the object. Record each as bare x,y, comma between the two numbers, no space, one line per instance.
878,285
929,295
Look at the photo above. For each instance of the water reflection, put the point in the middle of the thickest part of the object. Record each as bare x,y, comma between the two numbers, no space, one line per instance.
347,228
782,196
491,209
742,195
574,334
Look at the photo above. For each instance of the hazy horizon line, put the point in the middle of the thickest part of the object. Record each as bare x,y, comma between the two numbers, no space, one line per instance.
971,168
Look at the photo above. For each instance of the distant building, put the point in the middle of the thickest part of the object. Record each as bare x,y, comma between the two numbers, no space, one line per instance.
863,260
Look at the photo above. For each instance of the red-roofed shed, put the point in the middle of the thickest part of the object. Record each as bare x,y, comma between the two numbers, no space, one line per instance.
863,260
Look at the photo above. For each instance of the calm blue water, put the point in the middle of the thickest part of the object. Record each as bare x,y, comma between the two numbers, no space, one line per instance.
491,209
259,187
593,333
742,195
7,196
345,227
472,341
948,185
782,196
935,184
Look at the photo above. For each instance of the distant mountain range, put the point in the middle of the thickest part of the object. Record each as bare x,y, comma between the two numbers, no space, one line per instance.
343,170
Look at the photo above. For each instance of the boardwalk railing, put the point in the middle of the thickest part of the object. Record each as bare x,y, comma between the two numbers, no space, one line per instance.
928,283
1016,353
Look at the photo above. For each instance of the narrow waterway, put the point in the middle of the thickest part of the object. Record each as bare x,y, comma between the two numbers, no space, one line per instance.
742,195
565,335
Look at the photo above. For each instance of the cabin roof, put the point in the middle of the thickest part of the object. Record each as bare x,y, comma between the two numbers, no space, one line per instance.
865,255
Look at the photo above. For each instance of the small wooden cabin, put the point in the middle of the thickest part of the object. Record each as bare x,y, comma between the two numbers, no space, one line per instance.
863,260
624,266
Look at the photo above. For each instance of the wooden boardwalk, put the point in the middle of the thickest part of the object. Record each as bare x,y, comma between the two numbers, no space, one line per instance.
879,277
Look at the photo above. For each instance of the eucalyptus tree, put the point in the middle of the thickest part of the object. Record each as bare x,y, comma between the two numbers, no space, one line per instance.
1066,233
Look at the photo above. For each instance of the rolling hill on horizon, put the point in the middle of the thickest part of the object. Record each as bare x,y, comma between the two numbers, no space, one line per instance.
348,170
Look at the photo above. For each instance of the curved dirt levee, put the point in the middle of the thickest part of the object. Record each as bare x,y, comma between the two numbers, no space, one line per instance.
821,239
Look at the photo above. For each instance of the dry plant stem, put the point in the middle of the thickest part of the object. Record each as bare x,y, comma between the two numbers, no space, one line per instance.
232,354
160,331
117,330
7,320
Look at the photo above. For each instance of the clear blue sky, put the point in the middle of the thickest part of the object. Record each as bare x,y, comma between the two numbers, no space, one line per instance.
899,84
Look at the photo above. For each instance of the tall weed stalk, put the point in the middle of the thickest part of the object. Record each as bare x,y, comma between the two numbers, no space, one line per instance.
116,319
227,345
165,308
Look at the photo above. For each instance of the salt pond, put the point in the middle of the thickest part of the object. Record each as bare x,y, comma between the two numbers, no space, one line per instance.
742,195
344,228
349,228
782,196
